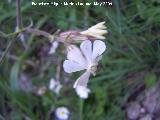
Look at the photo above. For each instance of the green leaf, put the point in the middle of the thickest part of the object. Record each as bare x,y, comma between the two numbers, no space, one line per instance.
14,76
14,82
150,79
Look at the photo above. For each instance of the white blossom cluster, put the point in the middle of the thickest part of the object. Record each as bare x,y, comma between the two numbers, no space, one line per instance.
86,57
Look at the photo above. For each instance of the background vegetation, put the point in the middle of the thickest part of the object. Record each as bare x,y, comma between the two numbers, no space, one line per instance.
132,58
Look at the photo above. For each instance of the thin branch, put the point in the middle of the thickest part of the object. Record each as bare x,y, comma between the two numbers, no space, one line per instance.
38,32
15,58
6,50
19,25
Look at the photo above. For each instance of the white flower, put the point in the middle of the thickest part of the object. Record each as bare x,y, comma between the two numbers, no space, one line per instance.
62,113
86,58
96,31
55,86
53,48
82,92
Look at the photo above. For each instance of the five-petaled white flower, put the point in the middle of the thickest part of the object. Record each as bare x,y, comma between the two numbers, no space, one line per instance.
96,31
62,113
82,92
53,48
86,57
55,86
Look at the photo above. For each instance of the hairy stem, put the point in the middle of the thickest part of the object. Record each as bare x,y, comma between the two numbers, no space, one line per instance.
18,13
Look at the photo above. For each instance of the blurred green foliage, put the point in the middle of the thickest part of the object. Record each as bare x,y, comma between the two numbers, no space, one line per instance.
133,56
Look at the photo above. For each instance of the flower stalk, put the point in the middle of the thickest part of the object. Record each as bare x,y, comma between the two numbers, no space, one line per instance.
81,109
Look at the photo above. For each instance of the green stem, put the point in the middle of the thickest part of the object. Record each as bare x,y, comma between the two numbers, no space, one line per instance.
81,109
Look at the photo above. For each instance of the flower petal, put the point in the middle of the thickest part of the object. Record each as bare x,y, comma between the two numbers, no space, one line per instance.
98,48
98,31
82,92
99,26
72,66
53,48
82,80
75,54
62,113
52,84
86,48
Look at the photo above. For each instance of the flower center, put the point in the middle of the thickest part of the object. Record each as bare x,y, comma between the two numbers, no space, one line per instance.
92,68
62,113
